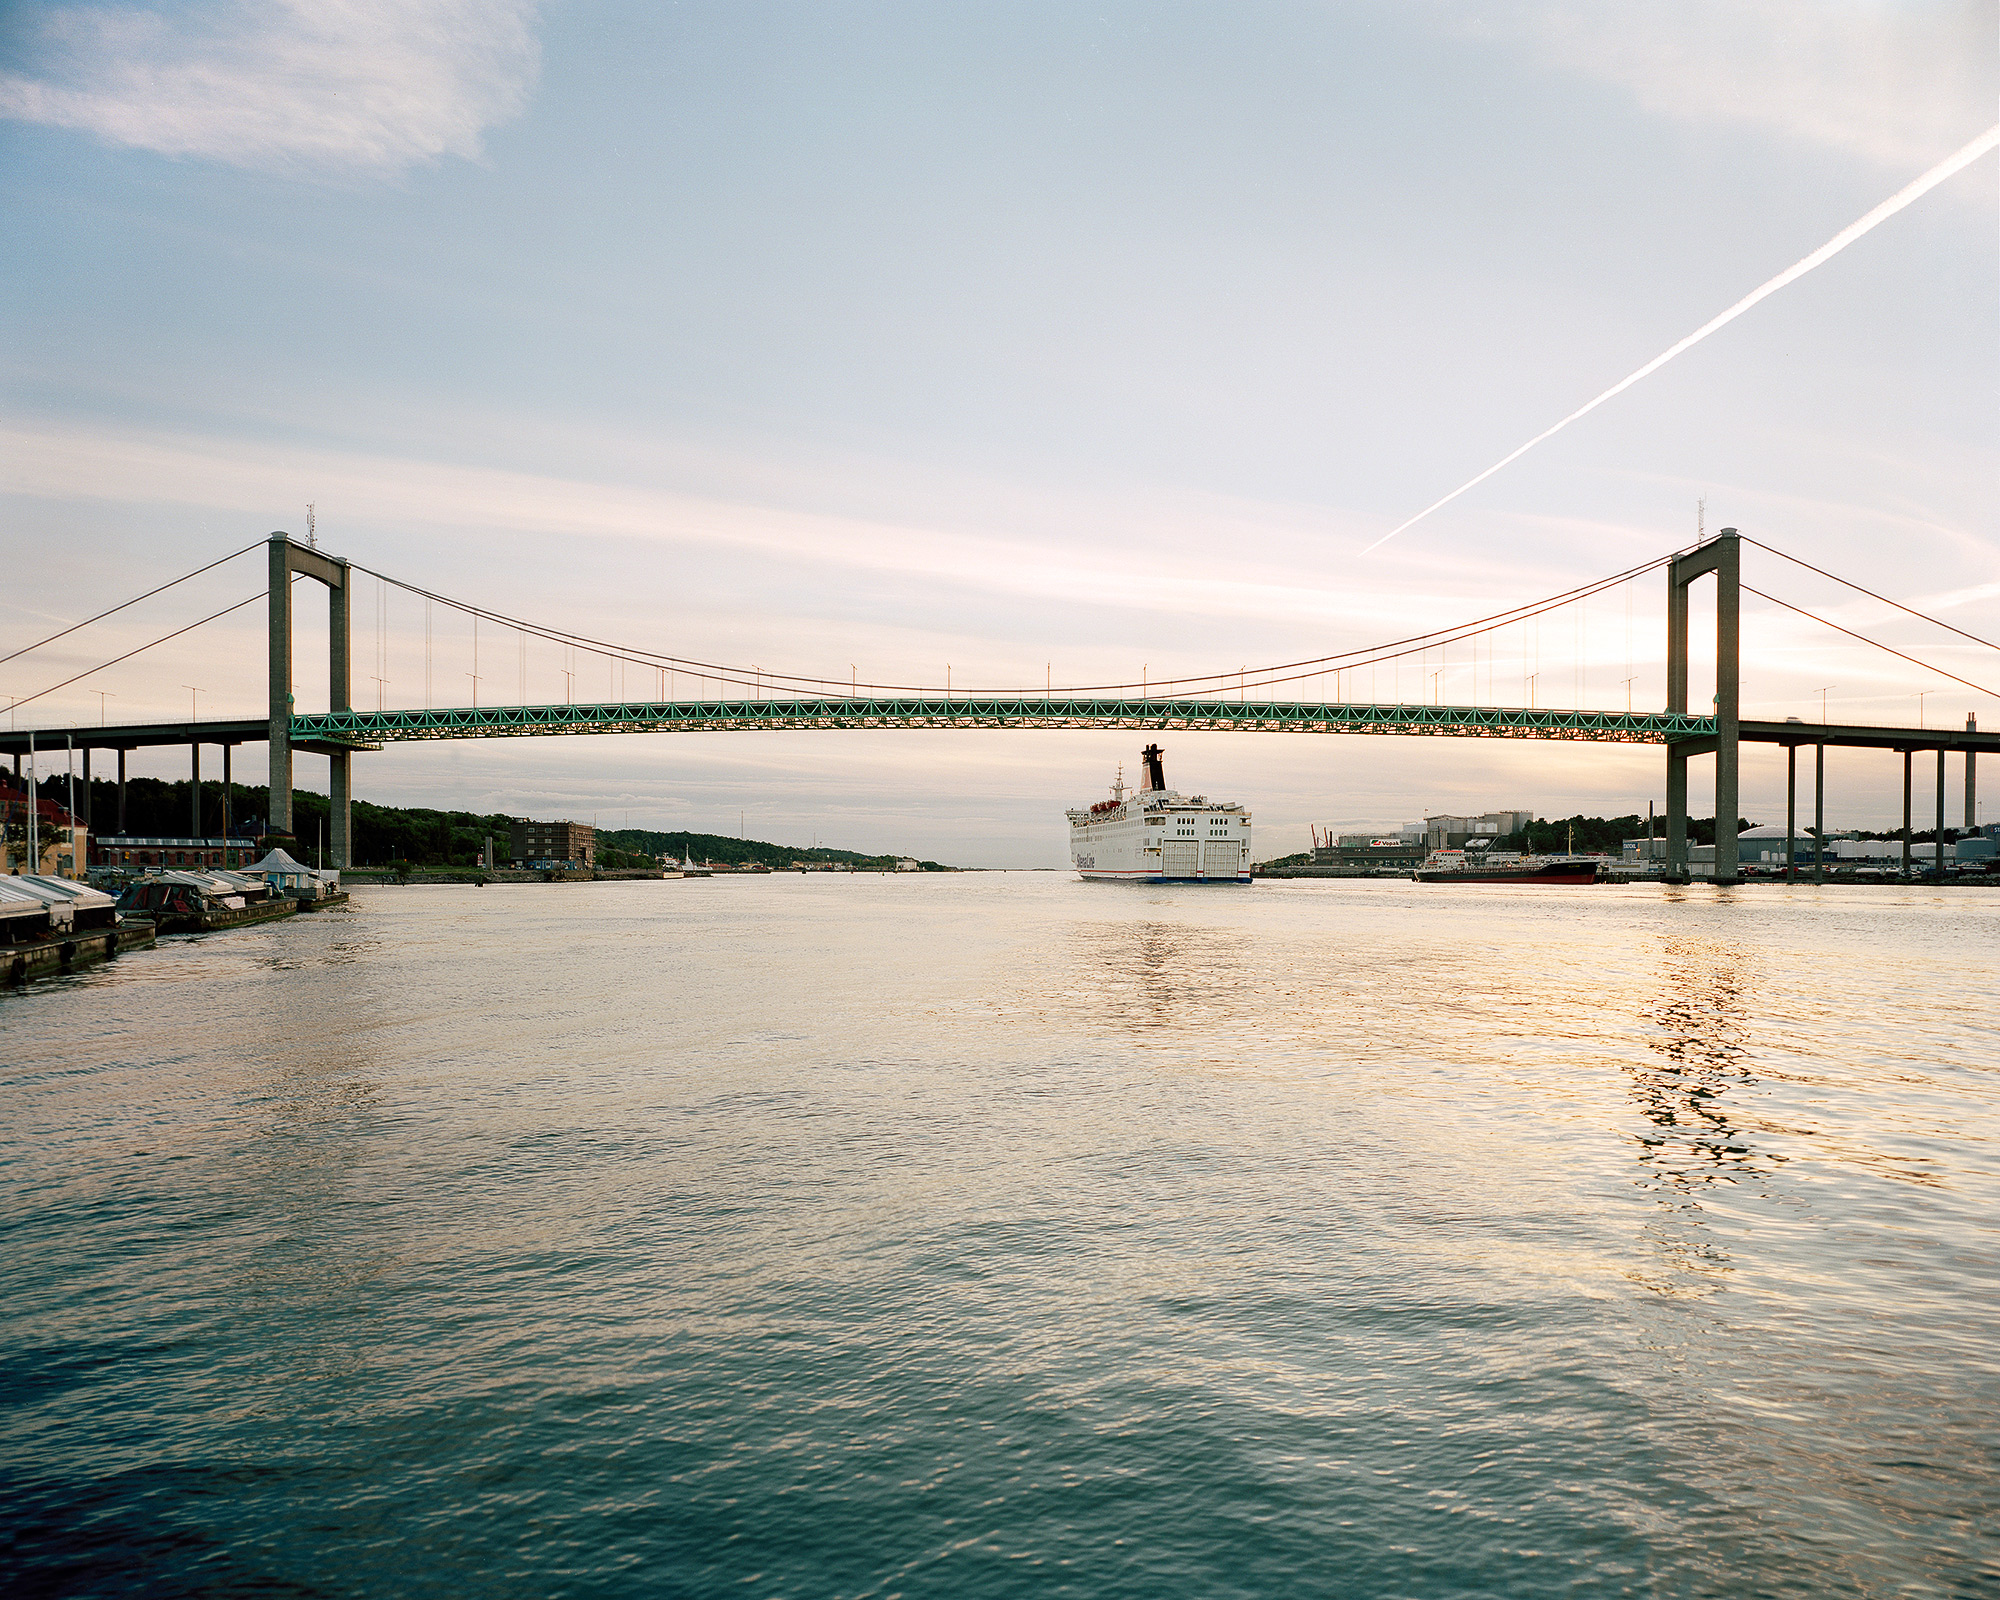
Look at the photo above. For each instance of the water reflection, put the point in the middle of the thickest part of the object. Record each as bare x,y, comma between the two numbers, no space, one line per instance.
1688,1089
1151,977
312,1087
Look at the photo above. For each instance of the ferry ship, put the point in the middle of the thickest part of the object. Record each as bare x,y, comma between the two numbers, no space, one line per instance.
1153,835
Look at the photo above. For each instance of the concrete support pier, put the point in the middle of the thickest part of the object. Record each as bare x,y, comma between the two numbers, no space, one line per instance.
1906,813
1677,809
1939,836
1791,812
1819,813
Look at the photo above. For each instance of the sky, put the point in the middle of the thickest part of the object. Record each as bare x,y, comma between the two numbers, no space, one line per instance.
1022,342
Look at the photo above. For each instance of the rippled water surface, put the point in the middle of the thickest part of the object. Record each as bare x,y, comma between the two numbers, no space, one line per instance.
1009,1235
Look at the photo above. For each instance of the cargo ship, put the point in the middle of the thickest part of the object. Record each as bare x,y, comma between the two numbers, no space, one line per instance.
1154,835
1457,866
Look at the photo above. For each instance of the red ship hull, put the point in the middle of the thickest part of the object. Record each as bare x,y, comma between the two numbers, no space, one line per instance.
1557,872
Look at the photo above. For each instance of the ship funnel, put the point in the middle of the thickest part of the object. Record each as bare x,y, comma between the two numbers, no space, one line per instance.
1156,774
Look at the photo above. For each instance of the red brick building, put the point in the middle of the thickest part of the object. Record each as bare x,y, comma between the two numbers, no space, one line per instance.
132,852
62,842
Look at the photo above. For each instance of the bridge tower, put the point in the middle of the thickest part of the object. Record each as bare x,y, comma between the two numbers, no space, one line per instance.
286,559
1722,556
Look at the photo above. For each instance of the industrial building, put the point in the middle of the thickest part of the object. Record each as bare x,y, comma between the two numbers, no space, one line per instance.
1375,851
1408,845
570,845
1455,833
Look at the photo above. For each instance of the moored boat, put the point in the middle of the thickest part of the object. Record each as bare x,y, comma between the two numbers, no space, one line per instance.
200,902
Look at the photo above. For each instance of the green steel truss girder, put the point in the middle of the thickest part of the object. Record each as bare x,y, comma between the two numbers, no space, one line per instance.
1027,711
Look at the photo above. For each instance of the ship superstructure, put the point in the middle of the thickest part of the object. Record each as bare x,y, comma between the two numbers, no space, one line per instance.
1154,835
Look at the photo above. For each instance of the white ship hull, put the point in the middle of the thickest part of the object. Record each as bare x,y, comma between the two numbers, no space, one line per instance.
1156,835
1146,875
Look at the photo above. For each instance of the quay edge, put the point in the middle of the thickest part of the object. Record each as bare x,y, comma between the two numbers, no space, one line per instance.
21,962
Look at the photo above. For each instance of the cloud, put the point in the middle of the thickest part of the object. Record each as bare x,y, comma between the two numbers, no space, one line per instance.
1895,83
56,462
283,85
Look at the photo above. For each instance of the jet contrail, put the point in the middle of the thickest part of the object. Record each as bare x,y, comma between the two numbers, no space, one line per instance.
1839,242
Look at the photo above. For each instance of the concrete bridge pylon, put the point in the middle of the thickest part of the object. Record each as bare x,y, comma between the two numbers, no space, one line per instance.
287,558
1723,556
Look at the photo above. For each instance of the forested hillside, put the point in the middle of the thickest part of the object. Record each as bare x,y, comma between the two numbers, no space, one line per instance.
155,808
737,852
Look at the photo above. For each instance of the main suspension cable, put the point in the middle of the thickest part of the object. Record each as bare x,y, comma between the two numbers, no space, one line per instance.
1309,667
129,654
1266,676
87,621
1872,595
1837,628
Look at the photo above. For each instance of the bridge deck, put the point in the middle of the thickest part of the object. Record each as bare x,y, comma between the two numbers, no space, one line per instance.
981,711
138,735
370,730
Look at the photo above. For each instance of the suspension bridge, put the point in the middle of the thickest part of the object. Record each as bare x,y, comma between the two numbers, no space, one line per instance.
1213,703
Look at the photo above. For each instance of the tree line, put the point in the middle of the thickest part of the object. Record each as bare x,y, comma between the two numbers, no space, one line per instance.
157,808
736,852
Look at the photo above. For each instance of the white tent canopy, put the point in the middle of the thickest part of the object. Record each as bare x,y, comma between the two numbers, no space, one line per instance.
281,871
279,865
